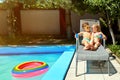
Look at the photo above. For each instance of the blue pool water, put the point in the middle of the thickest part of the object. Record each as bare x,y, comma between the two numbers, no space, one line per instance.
12,56
8,62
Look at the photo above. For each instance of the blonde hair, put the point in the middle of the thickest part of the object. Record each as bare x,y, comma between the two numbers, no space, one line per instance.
97,26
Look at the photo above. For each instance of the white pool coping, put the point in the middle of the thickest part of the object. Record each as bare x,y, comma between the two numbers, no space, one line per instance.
59,69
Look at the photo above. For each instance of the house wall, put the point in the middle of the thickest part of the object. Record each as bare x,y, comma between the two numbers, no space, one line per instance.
119,24
43,21
34,22
40,22
76,20
3,22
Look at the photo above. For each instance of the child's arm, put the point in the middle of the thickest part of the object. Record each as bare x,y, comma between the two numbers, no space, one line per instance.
78,34
103,36
92,38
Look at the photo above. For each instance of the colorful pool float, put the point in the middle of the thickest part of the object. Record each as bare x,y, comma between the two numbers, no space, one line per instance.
29,69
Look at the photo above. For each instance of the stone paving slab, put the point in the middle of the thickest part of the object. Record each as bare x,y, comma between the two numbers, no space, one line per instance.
87,71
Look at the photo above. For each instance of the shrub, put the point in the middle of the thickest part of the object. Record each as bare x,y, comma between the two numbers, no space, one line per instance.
115,49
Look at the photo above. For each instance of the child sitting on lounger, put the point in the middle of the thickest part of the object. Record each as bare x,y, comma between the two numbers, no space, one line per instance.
96,37
86,35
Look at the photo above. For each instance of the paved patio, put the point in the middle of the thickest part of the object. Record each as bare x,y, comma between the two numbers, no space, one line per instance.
88,71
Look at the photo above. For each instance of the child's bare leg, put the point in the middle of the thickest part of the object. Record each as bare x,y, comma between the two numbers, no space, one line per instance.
97,44
87,46
91,46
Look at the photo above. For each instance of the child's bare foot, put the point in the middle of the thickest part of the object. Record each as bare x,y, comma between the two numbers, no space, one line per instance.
92,48
95,48
87,47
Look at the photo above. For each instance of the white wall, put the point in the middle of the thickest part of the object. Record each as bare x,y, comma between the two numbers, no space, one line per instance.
40,21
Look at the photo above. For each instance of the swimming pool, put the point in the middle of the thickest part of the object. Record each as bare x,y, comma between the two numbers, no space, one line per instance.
57,57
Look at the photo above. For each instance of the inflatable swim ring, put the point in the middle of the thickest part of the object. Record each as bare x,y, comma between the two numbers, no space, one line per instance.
29,69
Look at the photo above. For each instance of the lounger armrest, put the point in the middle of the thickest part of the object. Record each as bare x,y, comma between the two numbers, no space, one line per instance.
104,43
78,41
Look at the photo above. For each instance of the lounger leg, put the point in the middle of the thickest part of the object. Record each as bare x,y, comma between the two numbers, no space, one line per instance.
76,67
108,67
